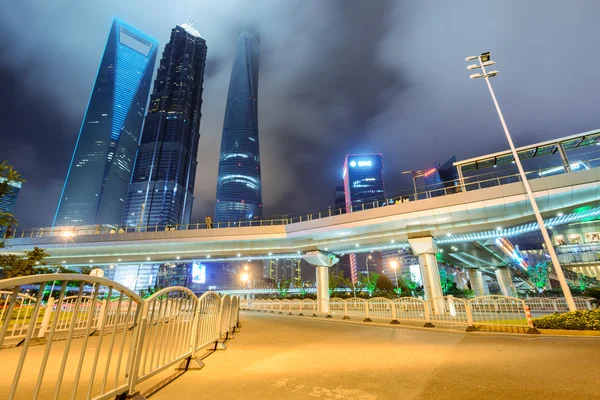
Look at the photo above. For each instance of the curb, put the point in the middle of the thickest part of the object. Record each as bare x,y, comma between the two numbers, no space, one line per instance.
567,332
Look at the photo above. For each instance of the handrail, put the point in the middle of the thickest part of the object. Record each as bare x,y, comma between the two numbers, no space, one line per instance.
468,183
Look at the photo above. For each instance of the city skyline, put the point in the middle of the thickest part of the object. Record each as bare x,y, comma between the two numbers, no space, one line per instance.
102,164
162,187
413,111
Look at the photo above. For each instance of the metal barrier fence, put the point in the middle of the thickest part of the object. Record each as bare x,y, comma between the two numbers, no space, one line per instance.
446,311
103,344
557,304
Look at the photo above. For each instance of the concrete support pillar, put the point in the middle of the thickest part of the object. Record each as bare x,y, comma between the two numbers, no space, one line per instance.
504,281
476,278
322,261
323,289
426,249
430,274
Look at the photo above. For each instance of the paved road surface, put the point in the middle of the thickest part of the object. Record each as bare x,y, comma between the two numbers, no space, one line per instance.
285,357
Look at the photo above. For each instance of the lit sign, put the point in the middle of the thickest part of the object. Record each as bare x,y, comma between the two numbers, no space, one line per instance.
364,163
429,172
198,273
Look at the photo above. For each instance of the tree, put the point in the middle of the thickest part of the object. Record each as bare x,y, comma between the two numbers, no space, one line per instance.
539,274
283,286
585,282
30,264
384,284
446,282
368,281
337,281
85,270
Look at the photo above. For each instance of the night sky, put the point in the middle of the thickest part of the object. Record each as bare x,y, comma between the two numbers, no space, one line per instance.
336,77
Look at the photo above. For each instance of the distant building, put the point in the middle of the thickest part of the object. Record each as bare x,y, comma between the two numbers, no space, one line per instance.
96,184
339,200
239,188
9,200
363,187
162,188
363,181
441,179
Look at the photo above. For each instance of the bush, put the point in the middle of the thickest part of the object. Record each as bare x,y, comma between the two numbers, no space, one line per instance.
575,320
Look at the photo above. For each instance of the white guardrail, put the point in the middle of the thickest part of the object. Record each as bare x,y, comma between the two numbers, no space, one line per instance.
480,312
103,344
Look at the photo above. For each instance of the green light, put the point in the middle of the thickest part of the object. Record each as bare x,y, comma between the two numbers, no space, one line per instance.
582,209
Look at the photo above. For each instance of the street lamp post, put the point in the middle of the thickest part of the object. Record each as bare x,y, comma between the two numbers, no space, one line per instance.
415,175
368,277
484,61
394,265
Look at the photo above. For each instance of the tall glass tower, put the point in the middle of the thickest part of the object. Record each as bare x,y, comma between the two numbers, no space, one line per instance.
363,185
96,185
162,188
239,192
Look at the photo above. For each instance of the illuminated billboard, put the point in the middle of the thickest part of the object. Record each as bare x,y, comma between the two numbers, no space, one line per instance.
198,273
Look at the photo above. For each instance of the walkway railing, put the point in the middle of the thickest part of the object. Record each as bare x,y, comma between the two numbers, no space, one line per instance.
101,344
468,183
486,312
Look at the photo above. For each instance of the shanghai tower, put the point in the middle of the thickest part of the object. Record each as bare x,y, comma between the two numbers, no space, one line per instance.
102,163
239,191
162,188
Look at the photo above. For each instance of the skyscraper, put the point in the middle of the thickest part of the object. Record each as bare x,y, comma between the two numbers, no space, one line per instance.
162,187
96,185
9,199
363,185
239,190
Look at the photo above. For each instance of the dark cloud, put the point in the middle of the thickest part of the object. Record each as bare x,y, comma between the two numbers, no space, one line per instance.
336,77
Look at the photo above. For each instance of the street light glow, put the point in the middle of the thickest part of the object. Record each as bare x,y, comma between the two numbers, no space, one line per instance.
394,264
244,277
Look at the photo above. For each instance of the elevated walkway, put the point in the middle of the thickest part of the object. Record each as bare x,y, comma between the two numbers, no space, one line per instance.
463,212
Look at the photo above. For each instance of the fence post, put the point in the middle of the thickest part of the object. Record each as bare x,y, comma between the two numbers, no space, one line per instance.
531,329
194,341
45,321
301,309
428,323
345,309
394,317
470,325
367,319
280,305
315,308
290,313
137,352
554,306
103,307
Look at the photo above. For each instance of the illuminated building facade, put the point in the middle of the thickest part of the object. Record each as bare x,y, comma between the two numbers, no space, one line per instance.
9,199
239,188
363,186
441,179
96,185
162,188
